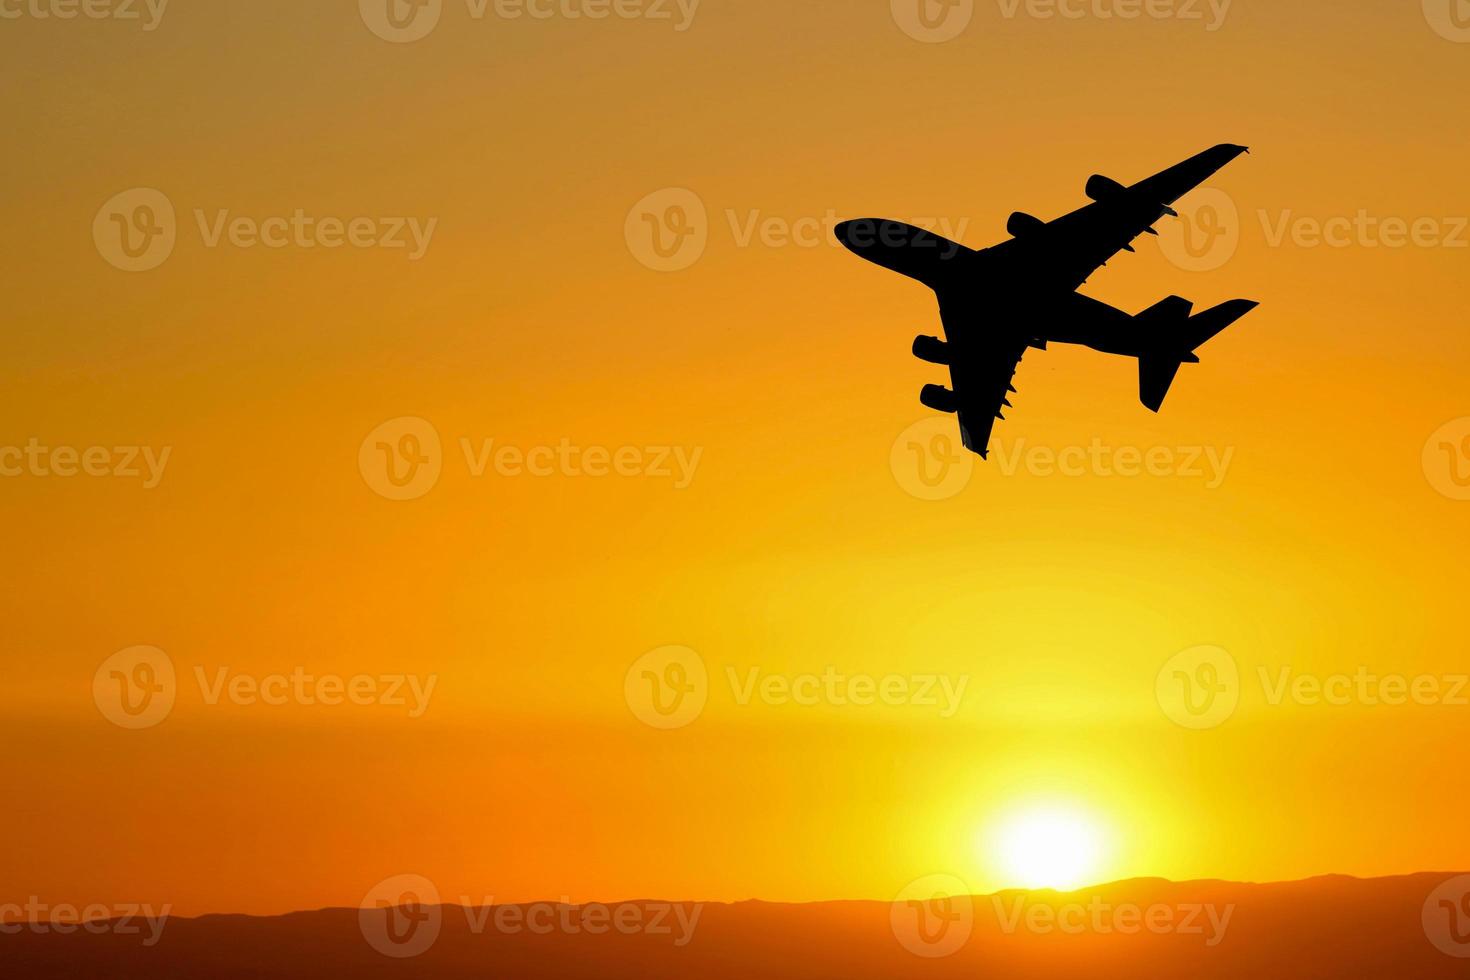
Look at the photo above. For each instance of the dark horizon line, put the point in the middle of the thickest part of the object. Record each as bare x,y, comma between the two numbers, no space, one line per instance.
1330,876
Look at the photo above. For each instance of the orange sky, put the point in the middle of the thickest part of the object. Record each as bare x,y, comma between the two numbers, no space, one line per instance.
782,375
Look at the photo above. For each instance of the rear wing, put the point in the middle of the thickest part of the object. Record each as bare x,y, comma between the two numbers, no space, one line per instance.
1173,336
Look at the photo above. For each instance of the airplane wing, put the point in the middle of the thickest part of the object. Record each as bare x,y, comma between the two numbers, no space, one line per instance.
982,366
1067,251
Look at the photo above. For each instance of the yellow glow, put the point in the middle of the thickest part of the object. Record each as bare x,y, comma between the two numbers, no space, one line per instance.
1050,848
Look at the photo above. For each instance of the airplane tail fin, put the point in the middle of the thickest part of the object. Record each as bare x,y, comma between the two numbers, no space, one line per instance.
1155,376
1176,336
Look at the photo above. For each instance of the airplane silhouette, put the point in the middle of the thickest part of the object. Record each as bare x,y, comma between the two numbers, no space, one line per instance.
997,302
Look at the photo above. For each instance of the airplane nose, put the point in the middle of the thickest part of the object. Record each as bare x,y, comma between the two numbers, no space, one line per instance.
858,235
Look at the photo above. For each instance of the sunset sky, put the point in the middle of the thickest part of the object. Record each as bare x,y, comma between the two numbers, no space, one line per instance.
764,520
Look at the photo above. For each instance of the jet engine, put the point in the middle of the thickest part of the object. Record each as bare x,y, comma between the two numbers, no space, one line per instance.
931,349
1022,224
1100,188
939,398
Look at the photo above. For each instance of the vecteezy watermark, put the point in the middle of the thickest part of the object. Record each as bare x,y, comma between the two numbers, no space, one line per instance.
1363,229
135,688
1364,687
97,919
933,21
406,21
676,464
670,229
669,687
674,920
411,692
137,230
401,917
1098,459
147,13
1449,18
937,21
403,459
1099,917
839,690
138,687
933,917
930,463
1210,13
1446,917
1447,459
145,463
1201,688
1206,233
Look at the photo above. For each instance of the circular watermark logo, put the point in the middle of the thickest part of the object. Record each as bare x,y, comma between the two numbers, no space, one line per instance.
136,230
1447,459
402,458
401,21
930,461
1205,235
668,230
1449,18
401,916
667,688
135,688
1447,917
933,21
1199,687
933,916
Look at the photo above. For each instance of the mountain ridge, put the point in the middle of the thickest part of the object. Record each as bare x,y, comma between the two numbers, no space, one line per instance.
1326,926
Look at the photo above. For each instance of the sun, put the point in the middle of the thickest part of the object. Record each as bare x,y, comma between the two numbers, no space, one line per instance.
1049,847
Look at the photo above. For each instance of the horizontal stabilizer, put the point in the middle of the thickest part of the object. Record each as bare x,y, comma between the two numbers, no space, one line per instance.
1206,325
1171,310
1174,336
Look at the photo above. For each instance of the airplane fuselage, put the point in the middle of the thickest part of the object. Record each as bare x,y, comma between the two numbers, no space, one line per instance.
1092,323
1000,297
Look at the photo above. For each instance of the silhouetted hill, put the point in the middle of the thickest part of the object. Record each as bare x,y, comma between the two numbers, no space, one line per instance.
1400,928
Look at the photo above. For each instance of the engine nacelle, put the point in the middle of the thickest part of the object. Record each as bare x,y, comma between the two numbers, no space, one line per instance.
1022,224
1100,188
939,398
931,349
